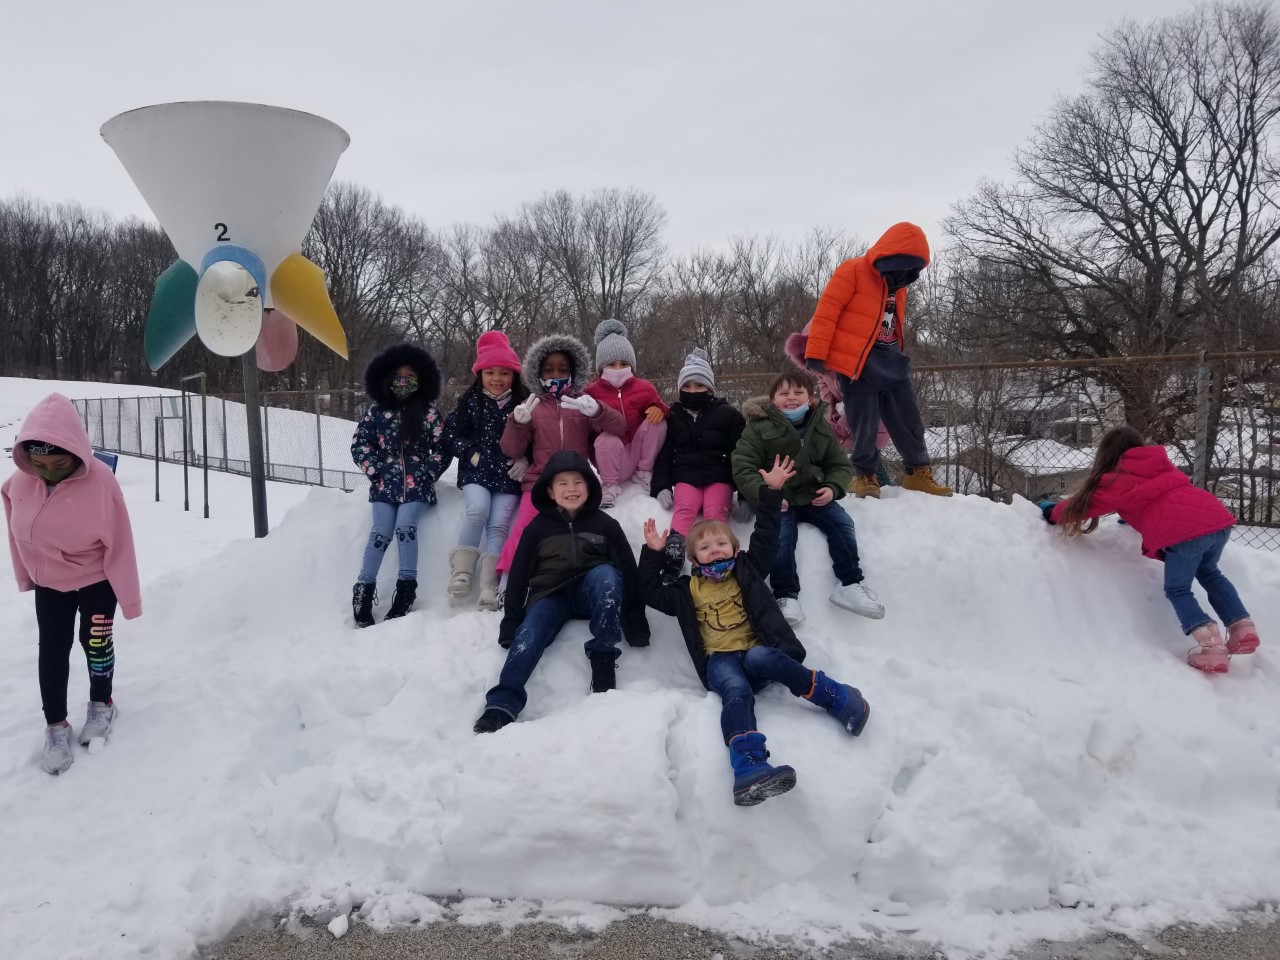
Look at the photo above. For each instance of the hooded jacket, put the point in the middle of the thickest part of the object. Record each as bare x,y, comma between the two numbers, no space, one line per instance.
552,427
847,319
400,472
474,427
751,569
1156,499
819,461
555,552
632,399
78,533
698,450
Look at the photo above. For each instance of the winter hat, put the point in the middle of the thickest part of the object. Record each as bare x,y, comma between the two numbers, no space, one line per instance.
493,349
697,369
42,448
612,344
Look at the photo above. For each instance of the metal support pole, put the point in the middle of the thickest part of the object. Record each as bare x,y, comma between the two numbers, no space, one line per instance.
119,424
139,405
1200,463
204,431
319,441
158,459
226,463
257,473
186,486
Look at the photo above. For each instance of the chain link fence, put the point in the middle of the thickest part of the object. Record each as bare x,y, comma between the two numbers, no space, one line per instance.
993,430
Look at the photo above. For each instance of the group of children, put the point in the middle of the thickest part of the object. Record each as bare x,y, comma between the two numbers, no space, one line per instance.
526,434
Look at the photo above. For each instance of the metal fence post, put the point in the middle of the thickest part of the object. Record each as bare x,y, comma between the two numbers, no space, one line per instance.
140,450
1200,462
226,464
319,440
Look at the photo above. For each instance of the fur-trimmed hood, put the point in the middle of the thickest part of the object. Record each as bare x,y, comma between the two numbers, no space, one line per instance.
795,346
377,375
579,361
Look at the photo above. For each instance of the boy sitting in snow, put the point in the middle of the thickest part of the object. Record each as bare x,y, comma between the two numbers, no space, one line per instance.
573,561
737,637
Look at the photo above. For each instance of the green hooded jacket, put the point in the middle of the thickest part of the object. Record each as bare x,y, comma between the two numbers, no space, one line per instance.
819,460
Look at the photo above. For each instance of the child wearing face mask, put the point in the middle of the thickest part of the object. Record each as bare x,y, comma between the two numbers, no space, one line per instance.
70,542
556,416
737,637
790,422
399,445
488,478
631,456
694,469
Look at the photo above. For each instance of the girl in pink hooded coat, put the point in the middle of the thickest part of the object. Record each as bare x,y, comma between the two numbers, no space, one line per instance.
557,416
1182,525
70,540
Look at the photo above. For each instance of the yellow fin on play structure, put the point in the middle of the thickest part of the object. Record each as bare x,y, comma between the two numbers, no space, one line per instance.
298,288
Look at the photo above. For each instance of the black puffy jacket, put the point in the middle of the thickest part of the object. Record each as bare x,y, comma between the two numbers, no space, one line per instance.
698,450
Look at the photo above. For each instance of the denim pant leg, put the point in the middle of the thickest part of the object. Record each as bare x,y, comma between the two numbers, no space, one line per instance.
1181,562
542,622
842,542
502,507
475,515
384,524
407,517
1222,593
726,676
785,579
764,665
598,598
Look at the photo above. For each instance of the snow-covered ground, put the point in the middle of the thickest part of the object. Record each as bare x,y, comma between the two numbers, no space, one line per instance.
1040,762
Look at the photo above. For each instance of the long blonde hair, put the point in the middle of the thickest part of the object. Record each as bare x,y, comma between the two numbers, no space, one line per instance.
1113,445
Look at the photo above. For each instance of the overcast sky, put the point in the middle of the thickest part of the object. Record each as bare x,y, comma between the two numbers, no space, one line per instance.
740,116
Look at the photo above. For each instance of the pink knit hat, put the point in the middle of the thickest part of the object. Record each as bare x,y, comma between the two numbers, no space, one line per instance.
493,349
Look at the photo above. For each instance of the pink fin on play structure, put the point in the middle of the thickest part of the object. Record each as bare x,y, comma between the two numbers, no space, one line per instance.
278,342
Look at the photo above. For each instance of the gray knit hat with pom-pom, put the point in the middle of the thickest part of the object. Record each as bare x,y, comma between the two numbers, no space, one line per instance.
612,344
697,368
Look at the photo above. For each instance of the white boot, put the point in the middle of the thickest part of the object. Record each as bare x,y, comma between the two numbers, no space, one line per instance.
462,567
791,610
489,599
57,755
856,597
97,722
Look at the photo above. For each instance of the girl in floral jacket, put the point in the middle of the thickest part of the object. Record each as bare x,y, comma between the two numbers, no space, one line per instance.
399,445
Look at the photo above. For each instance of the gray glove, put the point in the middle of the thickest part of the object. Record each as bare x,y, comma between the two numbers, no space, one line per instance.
743,511
666,499
518,469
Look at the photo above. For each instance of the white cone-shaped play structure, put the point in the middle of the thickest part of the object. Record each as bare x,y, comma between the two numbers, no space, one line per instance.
235,186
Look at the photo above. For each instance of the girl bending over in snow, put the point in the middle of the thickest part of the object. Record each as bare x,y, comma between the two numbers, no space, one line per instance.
1182,525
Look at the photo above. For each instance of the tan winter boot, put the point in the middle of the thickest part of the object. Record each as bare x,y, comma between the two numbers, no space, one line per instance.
489,599
865,486
462,567
921,478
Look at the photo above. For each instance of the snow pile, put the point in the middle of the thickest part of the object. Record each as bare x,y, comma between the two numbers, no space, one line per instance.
1040,762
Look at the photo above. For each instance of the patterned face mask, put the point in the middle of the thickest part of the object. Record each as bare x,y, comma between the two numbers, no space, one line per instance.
716,571
402,388
556,386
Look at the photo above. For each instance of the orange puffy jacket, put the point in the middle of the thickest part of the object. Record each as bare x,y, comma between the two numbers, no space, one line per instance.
848,316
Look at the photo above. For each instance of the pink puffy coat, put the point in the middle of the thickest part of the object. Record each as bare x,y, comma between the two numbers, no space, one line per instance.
633,399
1156,499
78,533
553,427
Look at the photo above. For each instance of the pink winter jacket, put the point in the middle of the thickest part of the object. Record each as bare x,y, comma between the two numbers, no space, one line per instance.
552,427
1156,499
633,399
78,533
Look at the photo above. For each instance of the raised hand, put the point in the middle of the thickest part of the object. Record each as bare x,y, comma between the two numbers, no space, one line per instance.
652,538
524,412
784,468
586,404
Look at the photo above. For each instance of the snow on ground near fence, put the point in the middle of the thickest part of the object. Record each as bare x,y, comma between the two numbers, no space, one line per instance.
1039,763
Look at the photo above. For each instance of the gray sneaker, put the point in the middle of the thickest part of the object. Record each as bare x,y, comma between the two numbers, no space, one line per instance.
57,755
97,722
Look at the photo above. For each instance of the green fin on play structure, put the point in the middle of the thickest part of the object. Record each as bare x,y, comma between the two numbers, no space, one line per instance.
171,321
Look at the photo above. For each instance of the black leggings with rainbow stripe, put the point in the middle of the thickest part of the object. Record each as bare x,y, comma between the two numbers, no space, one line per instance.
56,614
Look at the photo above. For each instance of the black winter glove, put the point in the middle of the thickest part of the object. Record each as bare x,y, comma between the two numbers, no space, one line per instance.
816,365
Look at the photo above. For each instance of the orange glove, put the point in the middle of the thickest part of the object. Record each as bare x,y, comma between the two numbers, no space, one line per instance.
654,414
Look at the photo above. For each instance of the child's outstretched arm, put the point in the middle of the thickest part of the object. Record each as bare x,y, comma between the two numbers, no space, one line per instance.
763,548
438,454
662,597
748,458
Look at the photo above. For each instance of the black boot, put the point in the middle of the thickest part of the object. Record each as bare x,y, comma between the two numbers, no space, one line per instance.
490,721
673,555
362,598
604,674
402,600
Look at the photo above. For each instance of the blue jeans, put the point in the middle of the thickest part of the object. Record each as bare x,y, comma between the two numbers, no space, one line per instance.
836,525
486,517
400,519
738,676
596,597
1198,559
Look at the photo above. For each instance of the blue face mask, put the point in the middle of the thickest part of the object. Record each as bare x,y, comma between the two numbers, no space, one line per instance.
557,386
715,571
796,415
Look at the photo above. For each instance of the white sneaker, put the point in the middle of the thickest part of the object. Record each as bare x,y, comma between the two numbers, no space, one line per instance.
97,722
57,755
856,597
609,495
791,612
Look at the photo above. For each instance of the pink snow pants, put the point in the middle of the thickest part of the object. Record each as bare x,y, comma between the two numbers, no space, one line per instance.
617,461
524,516
714,500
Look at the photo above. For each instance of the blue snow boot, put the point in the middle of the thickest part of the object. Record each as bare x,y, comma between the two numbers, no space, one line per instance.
842,701
754,781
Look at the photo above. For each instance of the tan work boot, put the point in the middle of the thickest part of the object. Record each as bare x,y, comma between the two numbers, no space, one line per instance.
921,478
865,486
